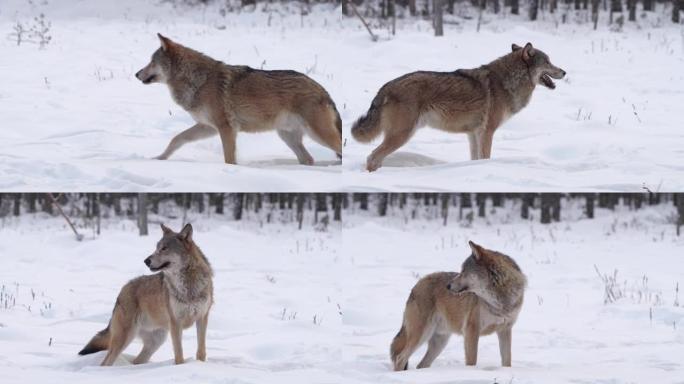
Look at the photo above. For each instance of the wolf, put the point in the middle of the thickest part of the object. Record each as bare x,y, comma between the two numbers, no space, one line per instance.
472,101
152,305
484,298
227,99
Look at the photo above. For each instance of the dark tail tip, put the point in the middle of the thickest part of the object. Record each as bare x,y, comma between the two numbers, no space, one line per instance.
88,350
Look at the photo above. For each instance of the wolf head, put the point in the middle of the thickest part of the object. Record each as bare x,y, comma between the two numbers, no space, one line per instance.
173,251
157,71
540,68
490,275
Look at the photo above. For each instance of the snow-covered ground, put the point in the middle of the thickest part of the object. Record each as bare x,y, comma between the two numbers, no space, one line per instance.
276,316
565,332
612,124
75,117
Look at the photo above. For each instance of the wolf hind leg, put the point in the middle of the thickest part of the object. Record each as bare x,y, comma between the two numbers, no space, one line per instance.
293,139
436,345
505,336
152,340
399,124
122,333
194,133
322,122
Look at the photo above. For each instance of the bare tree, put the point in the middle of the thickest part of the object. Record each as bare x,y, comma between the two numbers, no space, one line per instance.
438,17
142,214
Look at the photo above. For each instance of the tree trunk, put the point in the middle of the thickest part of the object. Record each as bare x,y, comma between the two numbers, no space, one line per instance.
515,7
594,12
218,201
337,207
556,207
363,201
631,4
438,17
527,200
481,200
680,210
590,205
534,7
546,204
142,214
445,208
382,204
300,209
238,205
676,6
17,204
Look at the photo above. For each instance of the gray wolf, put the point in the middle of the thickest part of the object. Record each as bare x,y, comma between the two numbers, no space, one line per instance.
227,99
472,101
484,298
151,306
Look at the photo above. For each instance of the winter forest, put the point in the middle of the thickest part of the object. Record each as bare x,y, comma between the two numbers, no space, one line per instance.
87,210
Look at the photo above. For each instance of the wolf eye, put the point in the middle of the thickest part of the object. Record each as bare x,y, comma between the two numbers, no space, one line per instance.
163,248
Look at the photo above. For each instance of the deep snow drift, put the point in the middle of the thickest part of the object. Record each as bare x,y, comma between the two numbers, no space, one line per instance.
565,332
276,316
76,118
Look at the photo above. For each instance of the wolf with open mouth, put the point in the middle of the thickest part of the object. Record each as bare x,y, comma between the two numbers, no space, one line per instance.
471,101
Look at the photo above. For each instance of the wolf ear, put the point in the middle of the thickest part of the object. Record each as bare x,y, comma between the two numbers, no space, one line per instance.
165,42
166,229
478,251
186,232
528,51
515,47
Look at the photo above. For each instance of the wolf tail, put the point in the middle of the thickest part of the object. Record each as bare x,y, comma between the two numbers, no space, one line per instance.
338,125
367,127
99,342
398,346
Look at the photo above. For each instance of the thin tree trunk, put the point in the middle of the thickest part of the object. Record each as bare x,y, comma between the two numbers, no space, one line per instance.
438,12
142,214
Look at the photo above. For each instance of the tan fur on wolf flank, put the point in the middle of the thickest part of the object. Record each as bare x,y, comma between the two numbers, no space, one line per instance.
151,306
484,298
472,101
227,99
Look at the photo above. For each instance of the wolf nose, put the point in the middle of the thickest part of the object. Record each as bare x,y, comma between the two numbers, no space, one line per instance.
564,73
449,287
138,74
148,261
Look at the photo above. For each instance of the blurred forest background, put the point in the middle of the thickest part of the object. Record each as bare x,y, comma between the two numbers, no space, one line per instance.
319,210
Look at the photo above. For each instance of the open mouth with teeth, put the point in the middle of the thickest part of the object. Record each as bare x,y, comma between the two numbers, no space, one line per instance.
149,79
547,82
159,268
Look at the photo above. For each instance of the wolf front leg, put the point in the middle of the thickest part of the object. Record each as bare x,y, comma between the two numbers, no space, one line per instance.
505,336
201,325
177,340
194,133
228,137
471,337
484,143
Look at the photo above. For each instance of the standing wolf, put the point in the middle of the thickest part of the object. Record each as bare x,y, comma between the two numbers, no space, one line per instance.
150,306
484,298
228,99
472,101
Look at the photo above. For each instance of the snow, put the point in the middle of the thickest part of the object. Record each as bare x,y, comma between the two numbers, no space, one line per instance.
75,117
565,332
271,282
611,125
